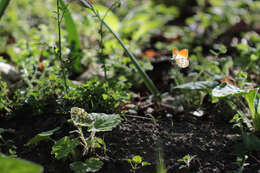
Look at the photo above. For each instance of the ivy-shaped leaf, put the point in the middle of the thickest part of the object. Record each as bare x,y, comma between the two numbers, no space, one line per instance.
63,147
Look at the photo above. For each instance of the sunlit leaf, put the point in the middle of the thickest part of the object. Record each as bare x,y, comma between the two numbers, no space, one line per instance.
137,159
42,136
15,165
110,18
80,117
250,98
200,85
104,122
224,90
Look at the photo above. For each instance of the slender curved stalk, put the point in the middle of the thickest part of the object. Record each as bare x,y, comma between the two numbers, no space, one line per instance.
59,19
3,6
148,82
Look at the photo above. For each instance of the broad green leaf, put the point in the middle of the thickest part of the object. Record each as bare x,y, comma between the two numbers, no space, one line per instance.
224,90
64,146
3,6
16,165
200,85
93,164
137,159
42,136
90,165
110,18
78,167
73,37
104,122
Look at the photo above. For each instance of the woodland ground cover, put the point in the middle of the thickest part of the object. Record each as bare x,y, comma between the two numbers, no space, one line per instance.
129,86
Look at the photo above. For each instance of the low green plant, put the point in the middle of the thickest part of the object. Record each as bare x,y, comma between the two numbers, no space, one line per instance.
241,162
97,96
5,102
250,95
136,163
187,160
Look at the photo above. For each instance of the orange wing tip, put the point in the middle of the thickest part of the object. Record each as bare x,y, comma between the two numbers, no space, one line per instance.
175,51
184,53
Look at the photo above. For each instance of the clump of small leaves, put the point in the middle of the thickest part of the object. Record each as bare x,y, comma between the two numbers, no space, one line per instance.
136,163
97,96
187,160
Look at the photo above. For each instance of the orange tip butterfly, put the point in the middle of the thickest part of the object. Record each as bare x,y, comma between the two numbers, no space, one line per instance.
181,57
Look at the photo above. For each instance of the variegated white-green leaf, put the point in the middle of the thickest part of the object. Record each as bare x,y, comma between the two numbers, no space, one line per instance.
80,117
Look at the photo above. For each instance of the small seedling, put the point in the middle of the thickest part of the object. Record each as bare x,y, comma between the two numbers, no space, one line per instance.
241,162
136,163
187,161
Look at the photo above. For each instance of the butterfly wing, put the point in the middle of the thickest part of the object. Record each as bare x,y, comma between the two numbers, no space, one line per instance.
182,61
184,53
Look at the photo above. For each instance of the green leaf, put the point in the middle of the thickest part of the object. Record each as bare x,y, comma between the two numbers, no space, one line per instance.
250,98
137,159
73,37
3,6
15,165
90,165
200,85
110,18
104,122
42,136
93,164
224,90
146,163
63,147
78,167
254,107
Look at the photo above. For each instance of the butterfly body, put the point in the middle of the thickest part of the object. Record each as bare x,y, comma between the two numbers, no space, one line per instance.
181,57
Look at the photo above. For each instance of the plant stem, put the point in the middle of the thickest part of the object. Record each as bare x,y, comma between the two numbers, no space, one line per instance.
83,140
148,82
59,19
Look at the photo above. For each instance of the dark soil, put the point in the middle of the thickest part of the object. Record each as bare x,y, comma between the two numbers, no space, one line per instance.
210,140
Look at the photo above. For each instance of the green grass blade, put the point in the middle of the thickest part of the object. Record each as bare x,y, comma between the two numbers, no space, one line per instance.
3,6
73,37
